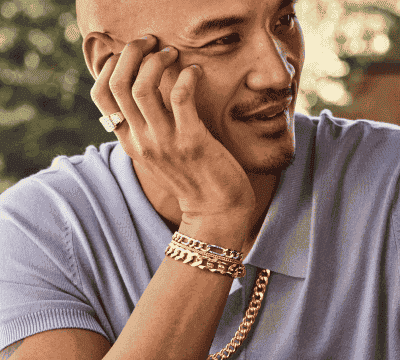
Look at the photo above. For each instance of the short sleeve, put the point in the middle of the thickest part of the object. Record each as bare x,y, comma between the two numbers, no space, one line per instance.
40,284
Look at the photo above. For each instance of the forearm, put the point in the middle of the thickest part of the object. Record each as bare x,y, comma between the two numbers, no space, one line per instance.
179,312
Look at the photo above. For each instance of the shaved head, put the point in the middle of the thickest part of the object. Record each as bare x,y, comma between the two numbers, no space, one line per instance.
105,15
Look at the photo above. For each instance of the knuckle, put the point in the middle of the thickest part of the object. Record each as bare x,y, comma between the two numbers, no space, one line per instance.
191,151
166,157
146,153
118,87
180,95
139,93
95,94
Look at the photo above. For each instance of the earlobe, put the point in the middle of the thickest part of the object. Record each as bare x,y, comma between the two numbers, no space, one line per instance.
97,49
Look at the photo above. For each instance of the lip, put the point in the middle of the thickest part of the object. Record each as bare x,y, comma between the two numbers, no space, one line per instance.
271,128
270,111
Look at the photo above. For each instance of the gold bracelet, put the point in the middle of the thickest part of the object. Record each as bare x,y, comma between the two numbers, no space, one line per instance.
206,254
213,263
216,262
198,251
199,245
189,251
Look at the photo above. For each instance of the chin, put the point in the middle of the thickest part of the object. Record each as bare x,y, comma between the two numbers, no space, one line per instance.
272,159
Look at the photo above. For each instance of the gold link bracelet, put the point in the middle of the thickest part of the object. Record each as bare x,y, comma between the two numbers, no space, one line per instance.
232,254
223,265
226,263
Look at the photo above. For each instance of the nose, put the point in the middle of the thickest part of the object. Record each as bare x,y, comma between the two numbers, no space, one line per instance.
270,68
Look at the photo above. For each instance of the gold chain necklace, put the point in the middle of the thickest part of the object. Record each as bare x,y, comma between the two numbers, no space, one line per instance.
248,320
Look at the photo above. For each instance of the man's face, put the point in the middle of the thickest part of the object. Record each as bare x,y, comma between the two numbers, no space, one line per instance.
248,65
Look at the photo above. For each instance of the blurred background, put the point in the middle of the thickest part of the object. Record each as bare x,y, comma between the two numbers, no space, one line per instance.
352,68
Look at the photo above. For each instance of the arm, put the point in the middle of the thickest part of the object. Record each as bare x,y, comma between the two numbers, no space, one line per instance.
176,318
178,314
71,344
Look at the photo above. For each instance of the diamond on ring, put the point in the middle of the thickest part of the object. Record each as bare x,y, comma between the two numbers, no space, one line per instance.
111,122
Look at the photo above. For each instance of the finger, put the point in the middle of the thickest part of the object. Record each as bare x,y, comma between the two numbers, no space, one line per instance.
183,101
124,76
101,93
145,91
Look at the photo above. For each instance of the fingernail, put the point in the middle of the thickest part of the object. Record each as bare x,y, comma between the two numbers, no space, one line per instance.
167,49
148,37
113,56
198,68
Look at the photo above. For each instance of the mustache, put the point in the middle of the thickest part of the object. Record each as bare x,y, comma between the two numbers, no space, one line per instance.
270,96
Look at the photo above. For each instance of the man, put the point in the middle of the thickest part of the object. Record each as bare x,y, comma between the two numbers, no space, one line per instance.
219,154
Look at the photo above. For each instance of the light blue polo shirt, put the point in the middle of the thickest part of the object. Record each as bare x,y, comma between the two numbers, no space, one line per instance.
80,242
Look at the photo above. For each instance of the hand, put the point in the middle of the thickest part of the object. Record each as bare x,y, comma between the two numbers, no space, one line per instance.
177,150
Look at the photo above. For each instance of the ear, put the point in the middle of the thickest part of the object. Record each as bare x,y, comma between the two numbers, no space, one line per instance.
97,49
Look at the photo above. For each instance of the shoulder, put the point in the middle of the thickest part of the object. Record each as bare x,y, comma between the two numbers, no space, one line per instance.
330,127
356,140
68,180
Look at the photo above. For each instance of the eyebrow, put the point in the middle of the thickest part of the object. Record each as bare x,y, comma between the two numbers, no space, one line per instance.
213,25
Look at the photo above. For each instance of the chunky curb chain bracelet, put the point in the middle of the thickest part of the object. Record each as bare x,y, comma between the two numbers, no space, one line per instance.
213,263
229,262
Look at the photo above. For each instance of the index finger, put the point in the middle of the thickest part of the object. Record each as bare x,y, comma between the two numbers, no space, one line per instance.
124,75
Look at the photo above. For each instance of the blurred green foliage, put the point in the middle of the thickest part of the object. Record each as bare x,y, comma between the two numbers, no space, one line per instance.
45,104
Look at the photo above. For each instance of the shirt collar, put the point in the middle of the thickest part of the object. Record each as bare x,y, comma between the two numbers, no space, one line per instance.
283,242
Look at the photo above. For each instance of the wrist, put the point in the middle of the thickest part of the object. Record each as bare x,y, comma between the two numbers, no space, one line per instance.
229,230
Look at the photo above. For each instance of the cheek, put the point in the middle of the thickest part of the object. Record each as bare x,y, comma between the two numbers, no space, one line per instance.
214,91
205,100
297,46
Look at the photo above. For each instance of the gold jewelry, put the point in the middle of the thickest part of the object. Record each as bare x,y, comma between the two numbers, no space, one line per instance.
248,320
198,252
205,260
205,254
226,263
111,122
198,245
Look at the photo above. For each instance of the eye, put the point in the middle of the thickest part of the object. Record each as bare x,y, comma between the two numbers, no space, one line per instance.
287,20
226,40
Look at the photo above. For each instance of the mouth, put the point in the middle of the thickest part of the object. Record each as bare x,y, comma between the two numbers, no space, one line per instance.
263,117
268,113
266,116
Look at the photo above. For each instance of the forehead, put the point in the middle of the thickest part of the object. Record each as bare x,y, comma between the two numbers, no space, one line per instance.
178,16
172,18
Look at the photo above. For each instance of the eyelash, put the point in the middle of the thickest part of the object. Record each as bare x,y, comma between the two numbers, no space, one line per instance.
213,43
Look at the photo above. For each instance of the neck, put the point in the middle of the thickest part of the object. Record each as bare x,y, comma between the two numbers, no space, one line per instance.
167,205
264,187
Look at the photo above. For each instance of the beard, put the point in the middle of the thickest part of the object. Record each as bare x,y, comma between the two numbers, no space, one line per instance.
279,154
284,155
